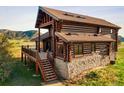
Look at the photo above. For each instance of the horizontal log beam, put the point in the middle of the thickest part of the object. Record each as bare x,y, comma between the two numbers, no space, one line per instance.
46,24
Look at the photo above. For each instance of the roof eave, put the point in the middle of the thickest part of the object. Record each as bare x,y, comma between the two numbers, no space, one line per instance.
117,27
53,16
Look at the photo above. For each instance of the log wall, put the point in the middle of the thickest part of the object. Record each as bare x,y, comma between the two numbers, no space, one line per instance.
76,28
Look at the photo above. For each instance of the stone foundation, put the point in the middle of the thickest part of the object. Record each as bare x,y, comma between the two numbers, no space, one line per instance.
61,68
68,70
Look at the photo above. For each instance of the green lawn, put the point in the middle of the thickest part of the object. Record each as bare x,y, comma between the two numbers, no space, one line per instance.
22,76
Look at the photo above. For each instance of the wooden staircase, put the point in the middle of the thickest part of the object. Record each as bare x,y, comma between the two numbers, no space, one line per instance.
46,69
43,63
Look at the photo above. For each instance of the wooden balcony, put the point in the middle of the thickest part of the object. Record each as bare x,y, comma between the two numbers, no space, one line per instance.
43,62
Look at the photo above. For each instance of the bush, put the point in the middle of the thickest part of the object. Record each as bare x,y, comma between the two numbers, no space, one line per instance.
5,58
101,77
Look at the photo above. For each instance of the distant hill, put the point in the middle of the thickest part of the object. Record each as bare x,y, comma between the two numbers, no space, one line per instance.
121,38
18,34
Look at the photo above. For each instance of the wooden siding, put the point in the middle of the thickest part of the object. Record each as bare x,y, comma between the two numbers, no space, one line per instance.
105,30
87,48
76,28
102,48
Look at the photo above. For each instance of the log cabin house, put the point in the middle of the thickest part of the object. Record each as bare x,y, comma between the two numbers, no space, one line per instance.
74,43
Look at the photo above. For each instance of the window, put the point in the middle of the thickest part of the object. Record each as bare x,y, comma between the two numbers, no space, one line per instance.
78,49
87,48
84,48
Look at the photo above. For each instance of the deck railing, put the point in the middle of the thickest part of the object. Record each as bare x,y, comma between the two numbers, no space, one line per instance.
30,51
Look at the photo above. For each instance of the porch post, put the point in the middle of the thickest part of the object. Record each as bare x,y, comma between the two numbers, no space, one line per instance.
36,68
69,53
36,44
36,63
38,47
22,54
65,52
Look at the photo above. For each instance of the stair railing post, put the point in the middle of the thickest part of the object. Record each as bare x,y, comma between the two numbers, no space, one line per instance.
36,63
22,53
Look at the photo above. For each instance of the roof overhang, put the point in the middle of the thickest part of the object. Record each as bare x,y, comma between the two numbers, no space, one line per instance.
82,38
42,37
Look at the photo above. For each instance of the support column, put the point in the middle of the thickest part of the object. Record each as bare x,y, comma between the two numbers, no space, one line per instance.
25,60
38,40
36,44
65,52
116,48
36,68
69,53
22,54
36,63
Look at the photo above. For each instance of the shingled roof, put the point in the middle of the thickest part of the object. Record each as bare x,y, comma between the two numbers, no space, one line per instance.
79,37
63,15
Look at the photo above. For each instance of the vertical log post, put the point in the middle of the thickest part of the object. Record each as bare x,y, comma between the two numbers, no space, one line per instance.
22,54
69,53
38,40
65,52
25,60
36,44
116,48
36,63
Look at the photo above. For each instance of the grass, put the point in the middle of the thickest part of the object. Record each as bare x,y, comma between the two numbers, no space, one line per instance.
16,46
20,75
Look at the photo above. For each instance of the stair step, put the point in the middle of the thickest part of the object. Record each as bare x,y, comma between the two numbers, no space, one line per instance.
48,69
46,64
51,71
52,76
51,79
49,66
44,60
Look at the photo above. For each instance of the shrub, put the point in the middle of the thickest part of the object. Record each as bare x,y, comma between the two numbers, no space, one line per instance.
5,58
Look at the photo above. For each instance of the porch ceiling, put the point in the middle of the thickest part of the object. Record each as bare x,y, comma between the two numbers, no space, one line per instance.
79,37
43,36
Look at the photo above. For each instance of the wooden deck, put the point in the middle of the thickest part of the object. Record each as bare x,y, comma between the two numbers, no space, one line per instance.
42,61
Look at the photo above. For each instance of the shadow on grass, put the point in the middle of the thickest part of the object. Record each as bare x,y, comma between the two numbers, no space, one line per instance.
21,75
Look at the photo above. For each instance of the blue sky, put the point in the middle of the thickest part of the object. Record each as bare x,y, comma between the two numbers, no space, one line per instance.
23,18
